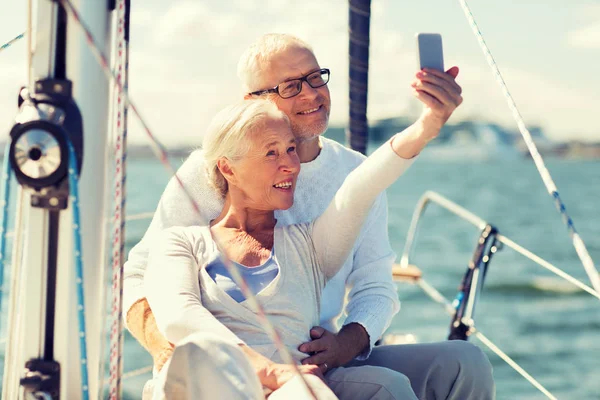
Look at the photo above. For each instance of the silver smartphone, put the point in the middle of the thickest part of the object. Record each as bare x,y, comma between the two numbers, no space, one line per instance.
429,51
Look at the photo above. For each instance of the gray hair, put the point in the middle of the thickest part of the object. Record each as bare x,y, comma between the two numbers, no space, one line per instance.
257,56
227,135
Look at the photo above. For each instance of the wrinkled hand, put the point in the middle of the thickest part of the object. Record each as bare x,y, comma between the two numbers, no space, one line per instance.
439,93
328,349
276,375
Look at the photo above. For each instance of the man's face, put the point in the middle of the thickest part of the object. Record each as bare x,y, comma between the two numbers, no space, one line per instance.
308,111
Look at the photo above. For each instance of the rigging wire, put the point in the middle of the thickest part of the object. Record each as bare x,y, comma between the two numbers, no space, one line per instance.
137,372
436,296
162,155
578,243
12,41
545,264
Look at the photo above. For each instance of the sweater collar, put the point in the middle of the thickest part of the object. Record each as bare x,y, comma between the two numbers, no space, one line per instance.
316,164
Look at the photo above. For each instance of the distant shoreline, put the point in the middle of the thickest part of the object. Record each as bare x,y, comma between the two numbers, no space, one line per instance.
461,139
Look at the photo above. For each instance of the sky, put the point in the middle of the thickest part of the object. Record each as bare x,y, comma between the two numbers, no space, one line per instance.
184,56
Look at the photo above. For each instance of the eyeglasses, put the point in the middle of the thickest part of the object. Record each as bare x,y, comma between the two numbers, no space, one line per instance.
293,87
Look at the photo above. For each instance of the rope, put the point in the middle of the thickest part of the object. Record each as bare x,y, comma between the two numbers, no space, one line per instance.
74,189
12,41
116,332
6,173
162,155
439,298
580,248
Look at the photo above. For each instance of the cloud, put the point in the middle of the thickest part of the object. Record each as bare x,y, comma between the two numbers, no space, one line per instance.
588,35
187,21
184,57
190,84
564,112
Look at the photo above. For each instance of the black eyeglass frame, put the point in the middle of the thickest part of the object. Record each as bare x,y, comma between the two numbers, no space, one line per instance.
301,79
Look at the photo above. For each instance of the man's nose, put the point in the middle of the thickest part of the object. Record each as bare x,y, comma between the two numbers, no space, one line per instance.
308,91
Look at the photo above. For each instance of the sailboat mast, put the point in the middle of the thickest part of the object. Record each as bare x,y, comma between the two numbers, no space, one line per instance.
359,24
36,329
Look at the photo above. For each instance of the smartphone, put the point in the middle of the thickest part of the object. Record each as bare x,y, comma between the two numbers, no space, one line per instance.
429,51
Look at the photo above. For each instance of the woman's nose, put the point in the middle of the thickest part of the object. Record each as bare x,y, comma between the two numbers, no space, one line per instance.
291,164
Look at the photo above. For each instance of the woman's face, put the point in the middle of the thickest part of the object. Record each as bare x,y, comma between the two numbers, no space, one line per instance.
265,177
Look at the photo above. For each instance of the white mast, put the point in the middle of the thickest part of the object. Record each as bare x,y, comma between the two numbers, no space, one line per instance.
28,298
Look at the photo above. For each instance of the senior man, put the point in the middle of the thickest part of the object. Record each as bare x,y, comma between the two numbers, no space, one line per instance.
285,69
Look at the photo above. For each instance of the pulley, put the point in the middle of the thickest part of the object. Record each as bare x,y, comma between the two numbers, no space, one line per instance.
47,119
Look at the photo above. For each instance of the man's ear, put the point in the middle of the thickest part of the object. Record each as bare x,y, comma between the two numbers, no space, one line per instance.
226,169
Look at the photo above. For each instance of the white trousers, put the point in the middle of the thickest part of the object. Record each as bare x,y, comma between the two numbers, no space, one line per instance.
204,366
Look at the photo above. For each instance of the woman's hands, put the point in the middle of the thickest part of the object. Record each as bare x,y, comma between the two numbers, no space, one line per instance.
273,375
276,375
440,95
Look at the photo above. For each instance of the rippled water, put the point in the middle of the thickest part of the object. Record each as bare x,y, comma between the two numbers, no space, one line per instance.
549,327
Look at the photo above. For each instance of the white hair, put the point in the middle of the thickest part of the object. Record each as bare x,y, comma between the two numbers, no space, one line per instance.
257,56
227,135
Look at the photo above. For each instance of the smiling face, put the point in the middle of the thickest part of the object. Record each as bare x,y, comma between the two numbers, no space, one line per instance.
308,112
265,178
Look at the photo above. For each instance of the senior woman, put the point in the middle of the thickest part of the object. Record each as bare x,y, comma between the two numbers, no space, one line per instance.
252,161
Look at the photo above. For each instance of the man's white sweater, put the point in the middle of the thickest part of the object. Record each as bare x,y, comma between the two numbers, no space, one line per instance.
372,300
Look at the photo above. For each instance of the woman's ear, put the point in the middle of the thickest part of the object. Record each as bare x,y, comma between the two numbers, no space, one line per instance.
226,169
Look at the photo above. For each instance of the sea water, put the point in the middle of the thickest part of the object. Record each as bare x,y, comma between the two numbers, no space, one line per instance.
547,325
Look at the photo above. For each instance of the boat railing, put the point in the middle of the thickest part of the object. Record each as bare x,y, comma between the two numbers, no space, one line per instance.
451,308
430,197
